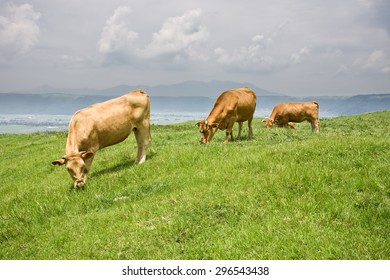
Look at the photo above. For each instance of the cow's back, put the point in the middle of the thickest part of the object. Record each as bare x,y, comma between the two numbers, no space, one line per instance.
110,122
242,99
246,103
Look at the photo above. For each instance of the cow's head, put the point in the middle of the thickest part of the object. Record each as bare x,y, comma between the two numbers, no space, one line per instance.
206,130
268,123
75,164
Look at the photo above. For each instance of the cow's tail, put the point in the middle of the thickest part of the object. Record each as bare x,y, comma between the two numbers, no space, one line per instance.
318,105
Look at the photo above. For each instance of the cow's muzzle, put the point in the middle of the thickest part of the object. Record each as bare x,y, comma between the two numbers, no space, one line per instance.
79,183
202,140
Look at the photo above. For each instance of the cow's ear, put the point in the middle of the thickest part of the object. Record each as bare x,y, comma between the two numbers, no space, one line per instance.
59,161
86,155
214,125
198,124
265,120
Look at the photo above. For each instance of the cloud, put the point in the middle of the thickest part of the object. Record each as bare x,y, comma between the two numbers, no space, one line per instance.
75,61
343,69
260,55
116,36
245,55
19,31
379,11
383,11
297,57
178,35
376,61
178,40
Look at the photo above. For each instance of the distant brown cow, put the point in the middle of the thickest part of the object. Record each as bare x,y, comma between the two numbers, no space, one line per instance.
236,105
285,114
102,125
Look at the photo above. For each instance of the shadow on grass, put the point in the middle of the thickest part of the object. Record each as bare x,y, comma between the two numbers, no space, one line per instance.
126,162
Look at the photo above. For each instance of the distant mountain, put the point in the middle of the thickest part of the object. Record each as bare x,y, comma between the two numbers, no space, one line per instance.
67,104
189,96
189,88
46,89
209,89
47,103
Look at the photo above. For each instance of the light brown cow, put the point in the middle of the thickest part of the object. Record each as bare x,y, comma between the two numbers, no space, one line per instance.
285,114
236,105
104,124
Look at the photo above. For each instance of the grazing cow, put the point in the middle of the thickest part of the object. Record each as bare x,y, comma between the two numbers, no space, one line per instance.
104,124
285,114
236,105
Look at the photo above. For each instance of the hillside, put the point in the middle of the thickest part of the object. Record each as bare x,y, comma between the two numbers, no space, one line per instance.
286,194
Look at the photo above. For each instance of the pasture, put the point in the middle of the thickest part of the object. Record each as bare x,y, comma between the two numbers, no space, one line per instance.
285,194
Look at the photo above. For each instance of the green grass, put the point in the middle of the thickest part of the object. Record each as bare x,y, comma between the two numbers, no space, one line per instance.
283,195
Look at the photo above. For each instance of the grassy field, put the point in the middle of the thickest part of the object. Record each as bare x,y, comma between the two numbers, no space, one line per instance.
283,195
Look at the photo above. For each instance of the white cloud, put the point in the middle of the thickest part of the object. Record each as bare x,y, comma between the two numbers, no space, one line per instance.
178,35
375,58
245,55
386,69
75,60
180,38
116,36
370,3
343,69
297,57
262,54
376,61
19,31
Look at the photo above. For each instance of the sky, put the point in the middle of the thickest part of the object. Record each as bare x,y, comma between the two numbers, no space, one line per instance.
298,48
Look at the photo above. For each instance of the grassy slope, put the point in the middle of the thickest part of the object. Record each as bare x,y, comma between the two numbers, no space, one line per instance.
283,195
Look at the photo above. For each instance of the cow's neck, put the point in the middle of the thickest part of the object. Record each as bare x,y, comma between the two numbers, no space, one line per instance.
216,116
272,116
71,144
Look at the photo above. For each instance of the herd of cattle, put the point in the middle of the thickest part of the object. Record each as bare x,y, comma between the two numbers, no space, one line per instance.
111,122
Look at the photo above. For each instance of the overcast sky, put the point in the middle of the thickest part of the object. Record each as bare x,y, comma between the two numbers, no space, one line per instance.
300,47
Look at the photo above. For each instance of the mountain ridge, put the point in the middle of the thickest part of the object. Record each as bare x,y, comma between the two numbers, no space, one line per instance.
67,104
186,88
187,96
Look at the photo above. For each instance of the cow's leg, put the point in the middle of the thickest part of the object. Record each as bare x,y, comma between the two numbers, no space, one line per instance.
142,135
239,130
229,131
292,125
315,125
250,131
227,136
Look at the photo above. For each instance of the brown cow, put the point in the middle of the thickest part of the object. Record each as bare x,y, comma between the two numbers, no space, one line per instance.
285,114
102,125
236,105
